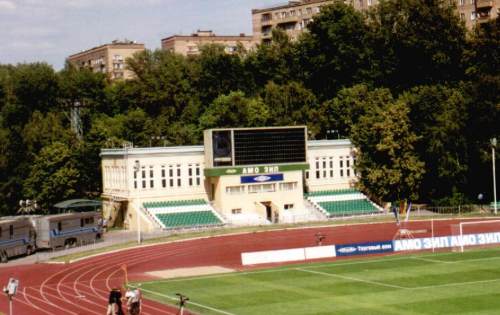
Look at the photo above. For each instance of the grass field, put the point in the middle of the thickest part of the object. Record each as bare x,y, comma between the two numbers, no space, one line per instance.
442,283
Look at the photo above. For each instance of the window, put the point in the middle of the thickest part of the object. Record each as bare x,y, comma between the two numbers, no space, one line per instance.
317,175
143,177
11,231
135,179
472,16
178,182
307,174
0,231
461,2
235,190
82,222
151,177
236,211
59,226
268,187
288,206
163,177
462,16
309,10
288,186
369,2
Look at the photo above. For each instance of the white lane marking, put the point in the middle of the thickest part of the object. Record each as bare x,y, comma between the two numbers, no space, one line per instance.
29,303
190,302
454,284
434,260
353,279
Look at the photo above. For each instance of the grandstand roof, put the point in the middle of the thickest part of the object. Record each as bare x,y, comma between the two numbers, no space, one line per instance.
199,149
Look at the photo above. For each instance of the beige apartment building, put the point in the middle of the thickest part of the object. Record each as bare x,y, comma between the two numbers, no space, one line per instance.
109,58
189,45
294,16
473,12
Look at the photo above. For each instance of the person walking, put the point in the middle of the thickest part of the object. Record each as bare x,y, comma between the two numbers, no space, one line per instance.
115,302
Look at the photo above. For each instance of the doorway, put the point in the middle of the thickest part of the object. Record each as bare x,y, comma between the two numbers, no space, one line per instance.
269,210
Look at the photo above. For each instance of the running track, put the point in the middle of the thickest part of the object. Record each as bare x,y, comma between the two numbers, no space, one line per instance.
82,287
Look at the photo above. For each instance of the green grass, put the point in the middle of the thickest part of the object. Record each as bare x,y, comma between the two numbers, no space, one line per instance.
443,283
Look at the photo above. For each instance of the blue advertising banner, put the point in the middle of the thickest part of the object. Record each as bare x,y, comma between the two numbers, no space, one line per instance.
261,178
364,248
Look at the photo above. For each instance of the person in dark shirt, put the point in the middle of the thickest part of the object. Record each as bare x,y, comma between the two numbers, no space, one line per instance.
115,302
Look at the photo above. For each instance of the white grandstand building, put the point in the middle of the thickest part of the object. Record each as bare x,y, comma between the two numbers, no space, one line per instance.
228,181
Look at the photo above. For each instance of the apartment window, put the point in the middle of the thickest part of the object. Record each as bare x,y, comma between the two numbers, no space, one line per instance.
369,2
236,211
307,174
462,16
472,16
82,222
317,9
59,226
292,13
288,206
300,12
235,190
461,2
178,182
309,10
11,230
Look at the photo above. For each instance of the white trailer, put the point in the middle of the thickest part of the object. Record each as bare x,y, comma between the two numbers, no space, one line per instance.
68,229
17,237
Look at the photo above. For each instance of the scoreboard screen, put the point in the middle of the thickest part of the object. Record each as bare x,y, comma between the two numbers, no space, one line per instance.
269,146
257,146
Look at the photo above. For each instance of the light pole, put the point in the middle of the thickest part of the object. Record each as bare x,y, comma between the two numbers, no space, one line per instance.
493,147
10,290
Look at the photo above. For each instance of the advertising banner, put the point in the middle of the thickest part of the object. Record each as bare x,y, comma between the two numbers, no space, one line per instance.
447,241
261,178
364,248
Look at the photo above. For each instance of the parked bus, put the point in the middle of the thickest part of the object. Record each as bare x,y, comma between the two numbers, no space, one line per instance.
67,230
17,237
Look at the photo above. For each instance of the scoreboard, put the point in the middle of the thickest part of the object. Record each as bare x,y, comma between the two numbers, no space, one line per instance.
255,146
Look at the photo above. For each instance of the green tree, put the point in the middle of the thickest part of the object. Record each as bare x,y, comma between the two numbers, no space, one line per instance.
275,61
386,161
220,73
336,51
235,110
164,82
416,42
344,111
53,176
439,117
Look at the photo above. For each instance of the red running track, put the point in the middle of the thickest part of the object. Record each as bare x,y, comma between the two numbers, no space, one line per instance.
82,287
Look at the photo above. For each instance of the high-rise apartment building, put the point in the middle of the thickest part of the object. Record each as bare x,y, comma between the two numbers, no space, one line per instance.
294,16
108,58
189,45
474,12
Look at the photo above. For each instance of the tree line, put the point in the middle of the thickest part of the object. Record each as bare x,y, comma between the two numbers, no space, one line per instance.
416,93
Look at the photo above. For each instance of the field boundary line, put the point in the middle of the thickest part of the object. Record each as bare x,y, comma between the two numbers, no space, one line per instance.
454,284
190,302
435,260
354,279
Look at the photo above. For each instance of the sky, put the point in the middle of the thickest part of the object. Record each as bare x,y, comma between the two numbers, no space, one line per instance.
51,30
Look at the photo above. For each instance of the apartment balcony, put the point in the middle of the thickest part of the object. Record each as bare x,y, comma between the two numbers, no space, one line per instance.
288,19
484,4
